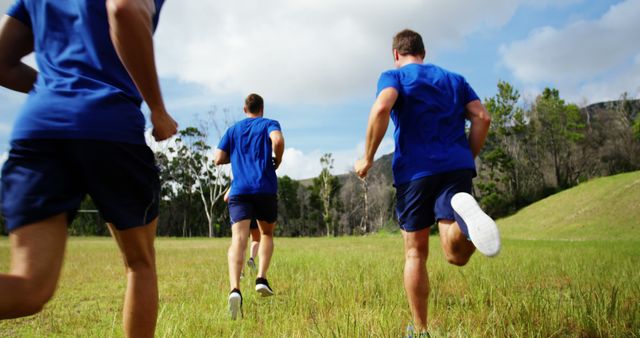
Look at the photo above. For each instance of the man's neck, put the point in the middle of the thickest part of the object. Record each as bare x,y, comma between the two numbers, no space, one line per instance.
253,116
409,59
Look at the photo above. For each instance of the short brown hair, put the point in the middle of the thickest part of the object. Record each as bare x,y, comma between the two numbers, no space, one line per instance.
254,103
409,42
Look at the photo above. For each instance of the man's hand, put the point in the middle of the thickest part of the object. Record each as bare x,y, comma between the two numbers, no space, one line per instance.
480,122
164,126
226,195
276,162
362,167
277,145
376,128
131,30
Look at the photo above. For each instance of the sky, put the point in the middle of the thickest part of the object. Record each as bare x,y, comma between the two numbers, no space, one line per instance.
316,63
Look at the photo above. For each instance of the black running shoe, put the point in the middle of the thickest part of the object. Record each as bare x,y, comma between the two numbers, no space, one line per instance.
251,263
235,303
263,288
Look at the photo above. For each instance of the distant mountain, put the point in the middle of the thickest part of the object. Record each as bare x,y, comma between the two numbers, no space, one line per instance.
381,166
603,111
634,105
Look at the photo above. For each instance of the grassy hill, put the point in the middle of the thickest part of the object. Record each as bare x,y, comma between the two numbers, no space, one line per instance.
605,208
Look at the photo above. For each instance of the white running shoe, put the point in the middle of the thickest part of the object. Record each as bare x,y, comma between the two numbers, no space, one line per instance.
263,288
235,304
483,231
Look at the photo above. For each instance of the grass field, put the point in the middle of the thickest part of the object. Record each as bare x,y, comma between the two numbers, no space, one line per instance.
352,287
604,208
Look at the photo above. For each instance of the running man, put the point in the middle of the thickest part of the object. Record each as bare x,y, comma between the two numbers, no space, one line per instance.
248,145
255,237
433,163
81,131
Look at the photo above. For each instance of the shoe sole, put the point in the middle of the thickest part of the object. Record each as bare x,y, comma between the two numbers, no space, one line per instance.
263,290
483,230
235,305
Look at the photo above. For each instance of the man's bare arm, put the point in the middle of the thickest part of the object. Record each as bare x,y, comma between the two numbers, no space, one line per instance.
221,157
277,144
131,27
480,122
376,128
16,41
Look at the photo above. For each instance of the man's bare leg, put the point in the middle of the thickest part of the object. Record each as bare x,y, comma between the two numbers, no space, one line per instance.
140,310
255,242
457,248
416,278
37,252
265,250
239,236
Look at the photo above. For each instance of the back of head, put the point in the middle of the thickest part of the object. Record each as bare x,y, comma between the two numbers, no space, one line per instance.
254,104
408,42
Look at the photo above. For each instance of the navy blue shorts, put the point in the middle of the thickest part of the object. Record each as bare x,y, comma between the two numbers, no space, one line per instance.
420,203
43,178
262,207
254,224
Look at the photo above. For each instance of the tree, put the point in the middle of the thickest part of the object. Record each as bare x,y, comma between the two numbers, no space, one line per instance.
364,225
328,186
209,181
559,128
289,204
192,186
511,170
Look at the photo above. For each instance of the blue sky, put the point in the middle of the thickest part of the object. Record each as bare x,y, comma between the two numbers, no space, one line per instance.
317,62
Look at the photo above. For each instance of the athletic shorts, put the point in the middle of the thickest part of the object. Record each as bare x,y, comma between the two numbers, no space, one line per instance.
46,177
262,207
422,202
254,224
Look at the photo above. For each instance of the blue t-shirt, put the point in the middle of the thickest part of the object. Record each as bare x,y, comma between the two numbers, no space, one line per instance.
249,147
83,91
429,119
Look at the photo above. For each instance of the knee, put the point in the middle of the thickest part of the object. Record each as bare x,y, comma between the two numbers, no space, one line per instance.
266,230
457,260
417,253
143,262
255,236
36,296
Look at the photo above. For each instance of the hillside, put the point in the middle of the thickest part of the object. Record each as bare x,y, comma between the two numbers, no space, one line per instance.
604,208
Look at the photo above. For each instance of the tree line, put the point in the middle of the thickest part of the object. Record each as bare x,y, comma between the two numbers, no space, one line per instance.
534,149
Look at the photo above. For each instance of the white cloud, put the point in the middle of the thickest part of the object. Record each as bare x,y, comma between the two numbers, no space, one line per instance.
587,58
294,51
627,81
555,3
298,165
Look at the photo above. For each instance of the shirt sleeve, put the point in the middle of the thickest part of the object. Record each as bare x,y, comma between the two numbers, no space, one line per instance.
225,142
19,12
388,79
468,94
273,126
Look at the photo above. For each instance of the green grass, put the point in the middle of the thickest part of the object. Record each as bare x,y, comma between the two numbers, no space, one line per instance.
352,287
606,208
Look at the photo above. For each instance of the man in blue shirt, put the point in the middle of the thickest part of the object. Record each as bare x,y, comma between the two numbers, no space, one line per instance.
248,145
81,131
433,162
